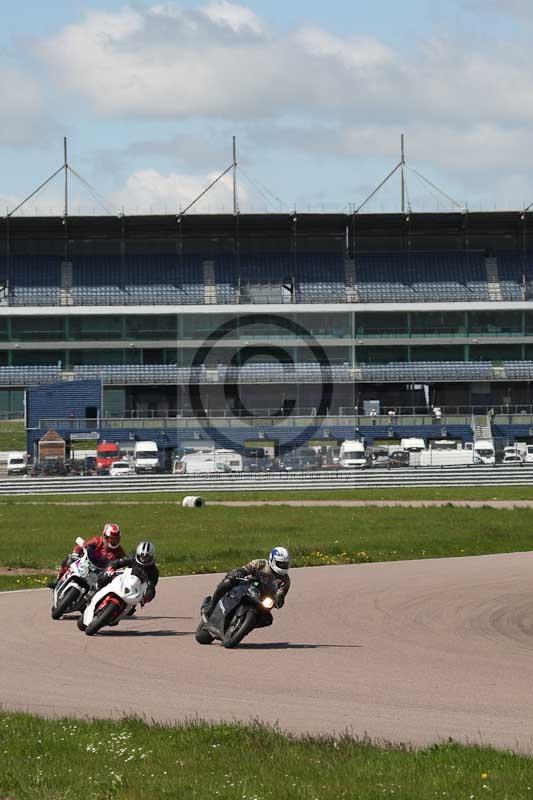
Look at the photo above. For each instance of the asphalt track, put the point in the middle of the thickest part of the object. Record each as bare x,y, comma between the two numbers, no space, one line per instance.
414,651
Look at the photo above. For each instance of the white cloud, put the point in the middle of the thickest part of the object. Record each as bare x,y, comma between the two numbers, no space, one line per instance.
22,108
238,18
222,61
149,191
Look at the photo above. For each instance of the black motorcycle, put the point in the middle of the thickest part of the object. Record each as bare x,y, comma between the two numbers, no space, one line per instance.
245,607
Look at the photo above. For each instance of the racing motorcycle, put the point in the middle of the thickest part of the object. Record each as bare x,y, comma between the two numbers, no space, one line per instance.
237,613
73,589
115,600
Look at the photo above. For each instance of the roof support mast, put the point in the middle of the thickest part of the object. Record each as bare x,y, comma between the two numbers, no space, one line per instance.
65,167
402,162
234,165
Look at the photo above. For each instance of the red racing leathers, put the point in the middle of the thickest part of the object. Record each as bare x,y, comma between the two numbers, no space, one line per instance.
99,552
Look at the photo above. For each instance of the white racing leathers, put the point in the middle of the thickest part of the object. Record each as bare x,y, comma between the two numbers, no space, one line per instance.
114,600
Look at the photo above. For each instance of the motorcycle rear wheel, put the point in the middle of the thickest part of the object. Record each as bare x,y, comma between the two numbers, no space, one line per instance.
202,636
238,628
103,618
67,601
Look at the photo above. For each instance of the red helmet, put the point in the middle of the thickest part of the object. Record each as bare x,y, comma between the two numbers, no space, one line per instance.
111,534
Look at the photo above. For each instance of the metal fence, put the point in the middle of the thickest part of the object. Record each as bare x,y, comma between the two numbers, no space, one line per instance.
263,482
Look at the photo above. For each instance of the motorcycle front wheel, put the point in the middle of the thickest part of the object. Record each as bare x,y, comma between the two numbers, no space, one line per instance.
103,618
238,628
68,600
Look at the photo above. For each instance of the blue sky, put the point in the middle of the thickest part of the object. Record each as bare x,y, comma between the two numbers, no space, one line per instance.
317,94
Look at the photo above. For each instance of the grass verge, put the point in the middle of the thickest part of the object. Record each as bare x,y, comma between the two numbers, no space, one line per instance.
217,539
130,760
12,435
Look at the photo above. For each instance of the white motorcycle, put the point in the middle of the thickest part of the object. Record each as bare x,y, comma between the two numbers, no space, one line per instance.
115,600
73,588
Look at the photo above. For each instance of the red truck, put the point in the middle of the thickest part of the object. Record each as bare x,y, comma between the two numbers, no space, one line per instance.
106,454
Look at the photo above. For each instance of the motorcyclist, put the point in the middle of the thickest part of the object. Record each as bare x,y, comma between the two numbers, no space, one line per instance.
274,568
100,549
144,559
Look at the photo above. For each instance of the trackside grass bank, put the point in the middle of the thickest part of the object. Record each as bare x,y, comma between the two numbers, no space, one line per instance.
216,538
129,760
12,435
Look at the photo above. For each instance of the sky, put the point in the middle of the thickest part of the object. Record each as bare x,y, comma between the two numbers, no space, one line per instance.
317,95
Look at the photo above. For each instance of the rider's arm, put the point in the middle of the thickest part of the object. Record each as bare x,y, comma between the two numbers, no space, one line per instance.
282,591
118,563
247,570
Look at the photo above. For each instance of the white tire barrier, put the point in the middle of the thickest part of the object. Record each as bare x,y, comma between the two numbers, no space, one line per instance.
193,502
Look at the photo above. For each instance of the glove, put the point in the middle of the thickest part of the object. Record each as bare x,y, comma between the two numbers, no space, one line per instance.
279,601
109,572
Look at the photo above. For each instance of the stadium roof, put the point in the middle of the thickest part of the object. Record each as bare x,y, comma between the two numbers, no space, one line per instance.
513,224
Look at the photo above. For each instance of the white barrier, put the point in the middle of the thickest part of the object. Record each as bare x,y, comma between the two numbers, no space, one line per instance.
276,481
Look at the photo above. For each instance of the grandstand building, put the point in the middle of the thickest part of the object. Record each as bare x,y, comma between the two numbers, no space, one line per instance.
276,327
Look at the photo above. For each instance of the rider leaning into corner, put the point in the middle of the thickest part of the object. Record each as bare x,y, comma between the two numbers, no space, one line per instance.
274,568
144,559
101,551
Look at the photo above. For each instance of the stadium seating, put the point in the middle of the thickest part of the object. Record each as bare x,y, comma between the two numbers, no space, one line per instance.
28,376
284,373
139,280
34,281
421,277
378,277
137,373
427,371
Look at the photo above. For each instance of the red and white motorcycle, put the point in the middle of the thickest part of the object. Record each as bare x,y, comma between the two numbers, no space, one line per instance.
73,588
115,600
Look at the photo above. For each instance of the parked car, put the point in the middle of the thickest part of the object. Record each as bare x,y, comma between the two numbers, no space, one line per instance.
399,458
378,457
17,463
121,468
512,458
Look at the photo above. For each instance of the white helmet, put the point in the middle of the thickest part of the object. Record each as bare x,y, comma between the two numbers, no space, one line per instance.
279,560
145,554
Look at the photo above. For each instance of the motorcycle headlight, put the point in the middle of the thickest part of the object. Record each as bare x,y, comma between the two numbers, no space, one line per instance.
267,602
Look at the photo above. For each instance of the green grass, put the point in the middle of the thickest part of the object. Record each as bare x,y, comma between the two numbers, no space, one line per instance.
12,435
130,760
219,538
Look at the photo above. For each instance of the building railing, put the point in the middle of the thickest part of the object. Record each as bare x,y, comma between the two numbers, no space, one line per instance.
171,423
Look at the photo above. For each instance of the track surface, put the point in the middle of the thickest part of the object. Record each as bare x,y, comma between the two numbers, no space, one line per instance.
408,651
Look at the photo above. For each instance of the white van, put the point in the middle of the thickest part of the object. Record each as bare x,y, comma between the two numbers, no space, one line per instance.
209,461
413,445
146,457
352,455
17,463
529,454
483,451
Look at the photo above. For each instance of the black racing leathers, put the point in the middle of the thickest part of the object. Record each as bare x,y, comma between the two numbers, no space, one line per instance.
258,569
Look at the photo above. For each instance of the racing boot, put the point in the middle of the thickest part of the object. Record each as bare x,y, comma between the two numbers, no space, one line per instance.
207,608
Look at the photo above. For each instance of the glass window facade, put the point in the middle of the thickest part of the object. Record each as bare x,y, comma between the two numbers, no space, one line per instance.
95,328
490,323
495,352
37,329
150,326
395,324
438,323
